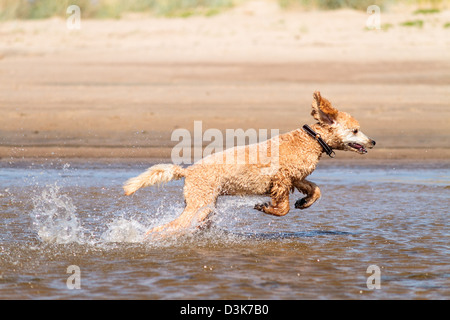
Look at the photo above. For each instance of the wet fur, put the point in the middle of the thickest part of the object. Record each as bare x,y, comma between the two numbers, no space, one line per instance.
298,156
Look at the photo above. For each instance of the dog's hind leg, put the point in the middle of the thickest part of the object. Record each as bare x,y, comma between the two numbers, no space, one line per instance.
310,189
190,216
200,201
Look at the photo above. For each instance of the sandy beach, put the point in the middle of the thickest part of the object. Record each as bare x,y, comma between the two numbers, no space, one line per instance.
82,111
118,88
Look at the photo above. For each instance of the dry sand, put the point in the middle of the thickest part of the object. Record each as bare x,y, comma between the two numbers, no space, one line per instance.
118,88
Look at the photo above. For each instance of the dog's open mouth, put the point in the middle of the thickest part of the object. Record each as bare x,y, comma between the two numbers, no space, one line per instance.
357,147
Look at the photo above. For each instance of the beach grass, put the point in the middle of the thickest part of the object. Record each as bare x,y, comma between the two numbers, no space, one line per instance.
332,4
41,9
427,11
412,23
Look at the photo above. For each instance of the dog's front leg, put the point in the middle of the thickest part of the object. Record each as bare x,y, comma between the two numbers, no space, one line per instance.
279,205
310,189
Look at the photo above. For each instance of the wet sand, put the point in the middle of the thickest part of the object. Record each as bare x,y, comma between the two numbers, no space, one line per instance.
118,88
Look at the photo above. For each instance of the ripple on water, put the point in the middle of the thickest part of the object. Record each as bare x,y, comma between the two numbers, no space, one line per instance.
56,216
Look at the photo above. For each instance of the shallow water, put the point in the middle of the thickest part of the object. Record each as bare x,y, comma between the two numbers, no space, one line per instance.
58,214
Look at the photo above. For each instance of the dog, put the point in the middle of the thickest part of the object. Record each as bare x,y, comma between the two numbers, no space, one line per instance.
297,154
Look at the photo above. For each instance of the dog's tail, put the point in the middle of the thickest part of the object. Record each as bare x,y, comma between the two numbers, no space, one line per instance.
160,173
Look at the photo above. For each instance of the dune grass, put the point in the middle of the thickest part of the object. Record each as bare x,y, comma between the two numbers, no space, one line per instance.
412,23
427,11
41,9
332,4
425,6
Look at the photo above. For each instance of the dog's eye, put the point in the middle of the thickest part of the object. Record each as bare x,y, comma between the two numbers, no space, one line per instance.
355,131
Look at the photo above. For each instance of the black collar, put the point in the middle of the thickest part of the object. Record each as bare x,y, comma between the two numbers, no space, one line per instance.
326,148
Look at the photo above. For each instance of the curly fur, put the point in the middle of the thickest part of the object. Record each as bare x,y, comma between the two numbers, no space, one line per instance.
157,174
298,155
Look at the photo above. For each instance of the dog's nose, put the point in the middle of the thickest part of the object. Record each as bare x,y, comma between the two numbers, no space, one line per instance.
373,142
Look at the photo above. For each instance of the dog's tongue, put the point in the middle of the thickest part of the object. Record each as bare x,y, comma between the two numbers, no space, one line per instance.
359,147
362,149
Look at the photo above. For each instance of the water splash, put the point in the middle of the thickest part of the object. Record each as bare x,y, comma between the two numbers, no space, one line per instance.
124,230
54,217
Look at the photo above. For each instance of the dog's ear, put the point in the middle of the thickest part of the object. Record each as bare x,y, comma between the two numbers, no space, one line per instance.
322,110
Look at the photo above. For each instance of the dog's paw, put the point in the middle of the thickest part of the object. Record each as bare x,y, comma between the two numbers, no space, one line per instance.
261,206
301,203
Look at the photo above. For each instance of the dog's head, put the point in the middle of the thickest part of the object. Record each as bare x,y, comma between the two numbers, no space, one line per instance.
343,131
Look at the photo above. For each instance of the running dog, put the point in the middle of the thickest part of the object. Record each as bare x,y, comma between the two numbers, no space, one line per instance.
293,157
